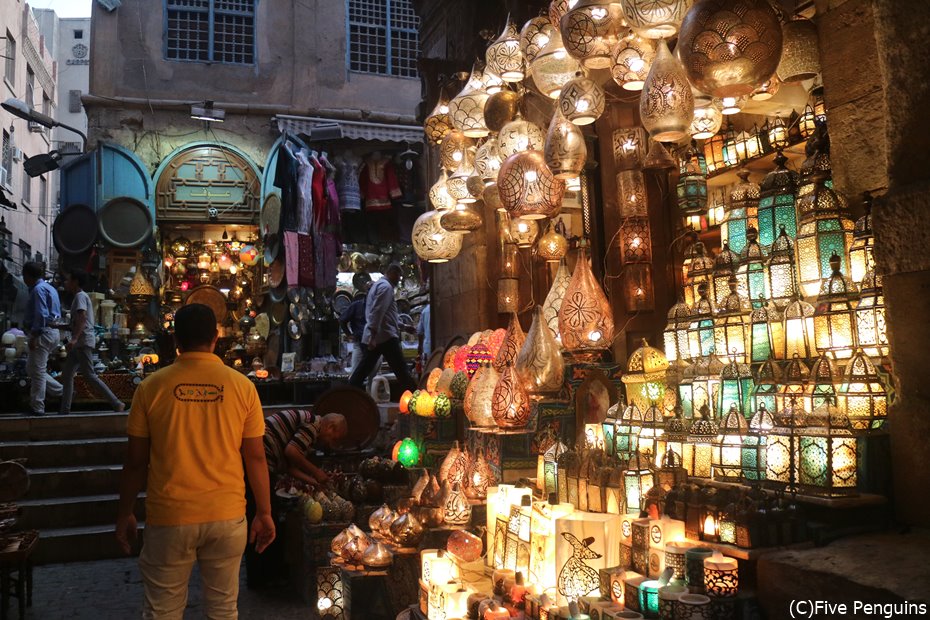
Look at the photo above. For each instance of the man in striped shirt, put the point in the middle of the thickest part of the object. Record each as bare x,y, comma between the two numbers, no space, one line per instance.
291,434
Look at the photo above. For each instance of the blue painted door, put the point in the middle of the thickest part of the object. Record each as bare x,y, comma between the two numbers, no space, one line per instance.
121,174
79,181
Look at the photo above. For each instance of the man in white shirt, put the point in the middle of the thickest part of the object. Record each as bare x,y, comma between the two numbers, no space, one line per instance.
382,332
424,335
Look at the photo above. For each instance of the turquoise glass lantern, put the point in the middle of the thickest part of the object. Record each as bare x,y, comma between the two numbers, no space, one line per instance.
736,389
824,230
827,455
705,384
776,202
766,386
823,384
609,425
701,330
742,213
692,184
753,452
753,260
761,345
626,432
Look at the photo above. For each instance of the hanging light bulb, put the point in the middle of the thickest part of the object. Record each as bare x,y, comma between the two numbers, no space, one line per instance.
463,218
467,108
585,319
728,49
800,56
488,161
590,29
452,149
655,19
438,123
432,242
534,36
565,150
582,100
666,105
552,246
632,58
504,56
553,66
501,108
528,188
439,194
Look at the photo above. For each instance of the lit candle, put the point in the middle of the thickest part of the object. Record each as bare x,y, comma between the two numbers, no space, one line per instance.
721,576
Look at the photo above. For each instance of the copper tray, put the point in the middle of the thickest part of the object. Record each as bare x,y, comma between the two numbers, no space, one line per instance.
211,297
360,411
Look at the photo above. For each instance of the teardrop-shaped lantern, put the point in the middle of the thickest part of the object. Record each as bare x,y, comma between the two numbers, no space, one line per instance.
511,346
522,232
467,108
540,362
501,108
582,100
511,402
478,397
666,105
505,57
553,66
590,29
432,242
557,10
729,47
528,188
480,477
585,320
553,302
463,218
631,60
438,123
565,150
439,194
655,19
518,136
456,506
534,36
455,465
452,149
488,161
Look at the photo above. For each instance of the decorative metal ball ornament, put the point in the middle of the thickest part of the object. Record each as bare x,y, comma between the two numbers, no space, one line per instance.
666,105
730,47
528,188
552,246
518,136
655,19
452,149
632,58
501,108
432,242
439,195
488,161
582,100
504,56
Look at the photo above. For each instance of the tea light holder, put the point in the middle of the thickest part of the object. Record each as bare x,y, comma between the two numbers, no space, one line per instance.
611,580
675,559
631,585
640,542
598,610
656,562
723,608
626,527
694,568
668,598
665,530
626,555
721,576
693,607
649,598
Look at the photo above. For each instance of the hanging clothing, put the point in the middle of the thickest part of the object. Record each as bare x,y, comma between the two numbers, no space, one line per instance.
286,177
378,182
348,165
304,188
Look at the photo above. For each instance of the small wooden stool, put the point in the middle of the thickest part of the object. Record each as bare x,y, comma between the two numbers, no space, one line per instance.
16,570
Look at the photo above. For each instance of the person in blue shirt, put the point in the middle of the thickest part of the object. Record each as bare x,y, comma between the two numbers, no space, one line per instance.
43,314
353,322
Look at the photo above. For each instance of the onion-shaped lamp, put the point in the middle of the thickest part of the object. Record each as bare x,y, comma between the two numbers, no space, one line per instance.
586,322
452,149
553,66
582,100
432,242
666,104
528,188
552,246
438,123
539,362
565,150
501,108
505,57
467,108
488,161
590,29
632,58
553,301
519,136
534,36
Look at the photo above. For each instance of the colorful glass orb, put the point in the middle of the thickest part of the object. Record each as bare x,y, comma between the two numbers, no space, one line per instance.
501,108
438,123
655,19
590,29
553,66
553,302
528,188
582,100
510,402
862,393
692,184
404,401
452,149
552,246
666,104
406,452
776,203
585,320
728,47
510,348
505,57
479,355
871,329
459,359
834,317
464,546
632,58
565,151
432,242
463,218
466,109
539,362
519,136
799,330
800,56
535,35
781,284
478,397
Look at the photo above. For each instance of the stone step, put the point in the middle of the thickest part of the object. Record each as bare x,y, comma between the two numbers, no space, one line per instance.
69,512
72,426
79,544
46,483
66,452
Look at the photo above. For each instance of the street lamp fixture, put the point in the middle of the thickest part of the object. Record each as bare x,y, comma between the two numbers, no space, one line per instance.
21,109
206,112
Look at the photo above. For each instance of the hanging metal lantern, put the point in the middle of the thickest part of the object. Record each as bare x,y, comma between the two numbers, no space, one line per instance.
631,193
800,56
860,252
781,284
630,146
565,150
590,29
701,330
581,100
557,10
488,161
776,203
539,362
752,268
439,194
505,57
824,230
553,66
700,270
725,266
822,387
742,213
761,337
766,90
463,218
655,19
552,246
586,322
731,325
519,136
834,317
523,232
871,327
707,118
534,36
666,105
510,347
554,297
799,330
528,188
675,334
438,123
862,395
501,108
510,404
452,149
508,295
466,109
631,60
432,242
692,184
728,47
457,184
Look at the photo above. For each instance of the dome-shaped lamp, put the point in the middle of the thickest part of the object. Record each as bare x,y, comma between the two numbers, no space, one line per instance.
552,246
557,10
505,57
438,123
553,66
632,58
488,161
501,108
729,47
467,108
458,181
582,100
463,218
439,195
800,56
534,36
766,90
590,29
528,188
586,322
432,242
731,105
655,19
518,136
565,151
666,105
452,149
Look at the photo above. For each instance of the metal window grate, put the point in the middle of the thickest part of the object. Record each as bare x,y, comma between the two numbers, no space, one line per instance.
74,101
383,37
9,69
210,31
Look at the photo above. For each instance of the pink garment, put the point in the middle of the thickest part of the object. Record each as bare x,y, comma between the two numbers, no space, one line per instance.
291,258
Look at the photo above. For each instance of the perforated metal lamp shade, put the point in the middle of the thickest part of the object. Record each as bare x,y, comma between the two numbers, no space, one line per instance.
781,282
753,259
505,56
776,203
862,393
834,318
731,325
590,29
871,326
466,109
582,100
692,184
743,213
553,66
666,104
655,20
632,58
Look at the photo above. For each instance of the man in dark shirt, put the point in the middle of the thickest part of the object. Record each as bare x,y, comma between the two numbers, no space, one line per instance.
352,323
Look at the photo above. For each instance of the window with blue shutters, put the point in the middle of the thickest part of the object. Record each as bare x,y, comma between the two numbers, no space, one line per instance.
210,31
383,37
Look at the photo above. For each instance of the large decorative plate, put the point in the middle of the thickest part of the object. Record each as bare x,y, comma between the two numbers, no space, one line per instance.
125,222
211,297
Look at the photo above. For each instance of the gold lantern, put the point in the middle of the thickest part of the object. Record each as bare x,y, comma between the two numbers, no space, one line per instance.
821,389
767,383
510,347
800,56
765,333
553,301
753,449
491,82
707,118
776,203
438,123
692,184
824,231
632,58
750,33
728,446
523,232
645,376
731,324
528,188
725,265
752,268
439,195
666,105
700,270
701,435
501,108
432,242
586,322
631,193
676,332
552,246
479,397
463,218
565,149
638,479
705,384
766,90
467,108
732,105
781,285
651,443
457,184
510,261
871,330
581,100
590,29
510,404
798,320
505,57
860,252
862,394
834,316
534,36
655,20
453,148
539,362
629,147
553,66
488,161
792,398
519,136
508,295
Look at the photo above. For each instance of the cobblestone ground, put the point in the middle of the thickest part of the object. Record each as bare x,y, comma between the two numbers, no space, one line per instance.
112,590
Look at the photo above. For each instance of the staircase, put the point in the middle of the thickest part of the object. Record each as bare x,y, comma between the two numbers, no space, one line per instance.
74,465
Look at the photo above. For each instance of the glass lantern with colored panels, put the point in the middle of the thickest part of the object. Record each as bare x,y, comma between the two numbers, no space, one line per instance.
767,384
862,394
776,203
726,264
727,452
824,231
753,260
736,389
834,317
827,455
676,441
798,329
675,334
753,449
823,384
731,324
645,376
705,383
860,251
792,398
781,448
871,329
651,443
781,278
699,269
763,340
701,330
626,432
638,479
692,185
742,213
701,434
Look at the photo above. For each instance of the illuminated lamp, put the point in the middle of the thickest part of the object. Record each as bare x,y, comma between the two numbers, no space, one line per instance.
655,20
871,328
439,194
781,286
700,270
727,455
635,241
586,322
466,109
501,499
827,455
860,251
553,66
457,184
590,29
707,118
519,136
834,317
666,104
552,246
464,218
701,435
766,90
629,146
862,394
731,105
792,400
767,383
638,479
675,334
565,151
701,330
742,214
725,267
736,389
553,302
488,161
523,231
505,57
753,259
508,295
692,184
581,100
406,452
798,330
438,123
632,58
626,430
800,57
721,576
631,193
432,242
535,35
776,203
510,402
824,231
543,569
452,149
539,362
645,376
731,325
651,443
765,332
753,450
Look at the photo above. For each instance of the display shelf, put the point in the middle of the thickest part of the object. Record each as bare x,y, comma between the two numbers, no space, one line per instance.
853,501
750,555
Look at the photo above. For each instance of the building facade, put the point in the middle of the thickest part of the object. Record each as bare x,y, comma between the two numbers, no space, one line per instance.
68,40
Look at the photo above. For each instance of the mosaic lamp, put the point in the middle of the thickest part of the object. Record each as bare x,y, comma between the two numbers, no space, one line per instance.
585,320
824,231
792,399
827,455
505,56
753,449
821,390
655,20
871,328
701,434
731,324
777,132
834,317
798,320
736,389
765,332
590,29
666,104
553,66
707,119
651,443
692,183
466,109
632,58
581,100
700,269
800,56
726,264
626,429
776,203
862,393
701,330
638,479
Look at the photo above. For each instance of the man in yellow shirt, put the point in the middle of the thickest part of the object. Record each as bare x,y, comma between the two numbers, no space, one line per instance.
191,427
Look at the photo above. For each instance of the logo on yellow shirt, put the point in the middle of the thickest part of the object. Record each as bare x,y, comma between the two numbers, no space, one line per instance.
198,393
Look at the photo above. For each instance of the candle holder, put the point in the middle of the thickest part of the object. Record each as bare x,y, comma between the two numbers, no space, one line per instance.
721,576
675,559
649,598
694,568
668,596
693,607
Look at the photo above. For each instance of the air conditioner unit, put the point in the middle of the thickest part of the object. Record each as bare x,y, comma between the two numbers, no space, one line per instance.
17,154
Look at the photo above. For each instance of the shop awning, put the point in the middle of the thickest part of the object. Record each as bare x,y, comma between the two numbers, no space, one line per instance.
353,130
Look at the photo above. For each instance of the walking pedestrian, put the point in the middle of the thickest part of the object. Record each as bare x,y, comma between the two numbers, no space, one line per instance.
191,426
352,323
43,314
382,332
81,346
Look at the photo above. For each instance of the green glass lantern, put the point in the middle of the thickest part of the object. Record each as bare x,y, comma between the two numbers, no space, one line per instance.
792,398
645,376
781,283
862,393
626,432
725,265
651,442
822,386
638,479
781,449
731,325
871,330
753,449
742,213
699,268
827,455
736,389
753,260
767,385
701,435
762,339
824,231
701,330
609,425
776,202
676,441
705,384
692,183
727,455
834,317
860,251
675,334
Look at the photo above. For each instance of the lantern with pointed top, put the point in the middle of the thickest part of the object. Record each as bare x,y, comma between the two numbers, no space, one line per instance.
510,403
768,378
585,320
553,301
692,183
776,203
763,339
860,252
862,394
727,458
645,376
701,330
467,108
510,348
565,149
798,320
505,57
655,19
438,123
676,332
792,399
742,214
632,58
752,268
824,231
781,284
834,316
871,330
736,387
535,35
726,264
